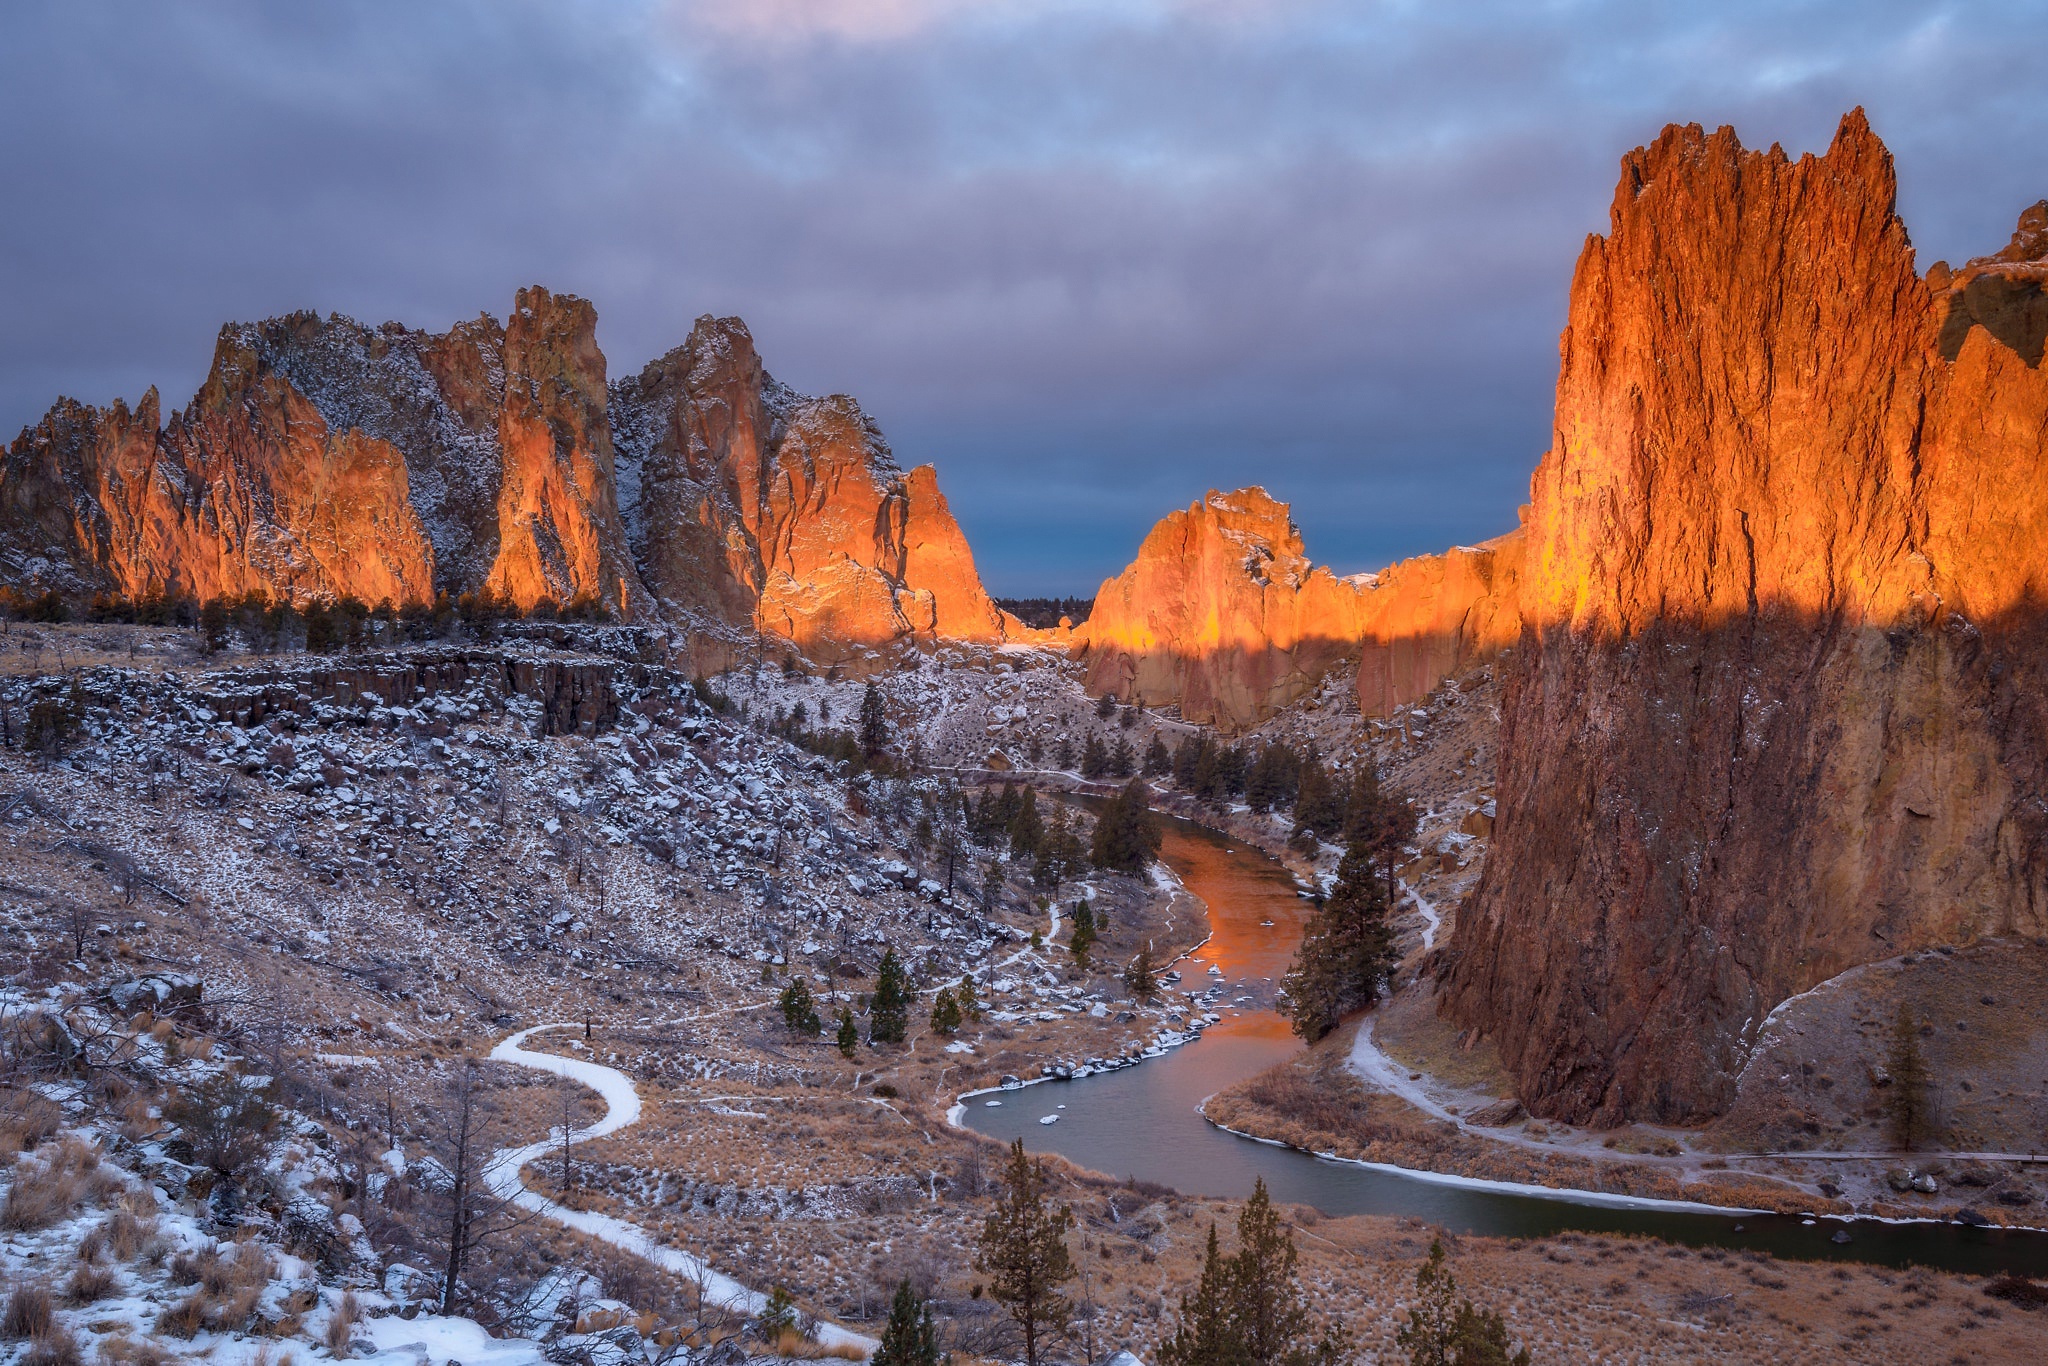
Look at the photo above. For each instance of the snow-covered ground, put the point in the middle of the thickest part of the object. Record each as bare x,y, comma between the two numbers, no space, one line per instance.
622,1108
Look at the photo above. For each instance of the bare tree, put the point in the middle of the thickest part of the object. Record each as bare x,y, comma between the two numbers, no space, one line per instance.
475,1214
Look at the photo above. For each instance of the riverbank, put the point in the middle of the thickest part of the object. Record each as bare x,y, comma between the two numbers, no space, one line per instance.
1316,1103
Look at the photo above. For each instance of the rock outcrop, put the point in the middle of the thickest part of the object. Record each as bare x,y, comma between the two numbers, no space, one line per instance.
1221,613
1434,617
325,459
1781,702
787,512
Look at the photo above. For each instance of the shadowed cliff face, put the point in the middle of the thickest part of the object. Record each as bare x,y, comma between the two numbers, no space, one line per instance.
1778,707
323,458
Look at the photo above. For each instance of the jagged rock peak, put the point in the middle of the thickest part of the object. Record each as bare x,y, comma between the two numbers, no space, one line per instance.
325,458
1780,706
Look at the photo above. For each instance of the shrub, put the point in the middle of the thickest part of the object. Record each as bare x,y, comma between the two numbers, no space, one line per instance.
55,1348
341,1324
29,1312
126,1234
46,1190
122,1350
26,1119
185,1318
89,1283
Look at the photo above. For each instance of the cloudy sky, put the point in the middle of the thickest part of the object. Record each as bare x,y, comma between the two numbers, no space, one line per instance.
1090,257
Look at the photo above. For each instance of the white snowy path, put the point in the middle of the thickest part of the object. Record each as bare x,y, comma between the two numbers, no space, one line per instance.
1431,920
622,1101
1372,1066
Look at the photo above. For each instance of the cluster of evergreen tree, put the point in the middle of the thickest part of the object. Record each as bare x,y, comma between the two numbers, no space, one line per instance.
1045,613
1100,760
1248,1309
839,745
270,624
1126,832
1347,950
1445,1330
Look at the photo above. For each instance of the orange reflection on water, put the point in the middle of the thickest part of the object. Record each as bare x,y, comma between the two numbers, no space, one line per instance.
1255,921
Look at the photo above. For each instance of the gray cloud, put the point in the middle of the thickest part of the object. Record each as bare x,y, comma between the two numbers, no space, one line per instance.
1090,260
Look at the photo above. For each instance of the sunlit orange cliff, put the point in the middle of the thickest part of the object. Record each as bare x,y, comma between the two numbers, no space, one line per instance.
1223,616
1779,705
326,459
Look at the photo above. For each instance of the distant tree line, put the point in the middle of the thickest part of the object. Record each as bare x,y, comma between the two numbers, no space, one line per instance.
270,623
1045,613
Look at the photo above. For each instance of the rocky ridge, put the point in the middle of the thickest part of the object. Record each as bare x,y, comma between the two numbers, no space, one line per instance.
326,459
1778,706
1223,615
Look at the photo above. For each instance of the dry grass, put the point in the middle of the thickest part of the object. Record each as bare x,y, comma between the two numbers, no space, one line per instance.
341,1324
56,1348
26,1119
122,1233
89,1283
228,1284
793,1345
122,1350
185,1318
53,1184
30,1313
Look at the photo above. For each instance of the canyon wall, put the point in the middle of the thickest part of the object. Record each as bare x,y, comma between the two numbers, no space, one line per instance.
786,512
1780,704
1223,615
323,458
1435,616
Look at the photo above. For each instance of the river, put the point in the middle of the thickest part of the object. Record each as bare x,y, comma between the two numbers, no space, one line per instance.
1142,1121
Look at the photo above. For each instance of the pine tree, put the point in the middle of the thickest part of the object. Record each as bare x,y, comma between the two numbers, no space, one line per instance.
963,994
945,1013
1271,1321
1050,868
1140,976
1122,760
910,1337
1347,951
1206,1332
1026,828
873,732
1383,822
213,626
1443,1331
1247,1309
1906,1105
1094,758
1430,1333
1126,834
849,1034
1023,1252
1317,802
888,1015
1083,938
1158,759
799,1011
